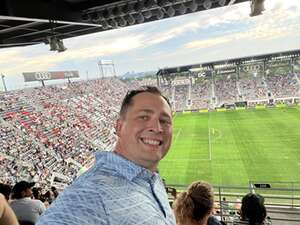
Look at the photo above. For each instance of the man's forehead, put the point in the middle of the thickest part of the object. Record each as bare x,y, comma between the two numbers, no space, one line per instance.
158,106
147,97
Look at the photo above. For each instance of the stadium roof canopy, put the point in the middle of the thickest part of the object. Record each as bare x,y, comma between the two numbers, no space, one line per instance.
229,62
28,22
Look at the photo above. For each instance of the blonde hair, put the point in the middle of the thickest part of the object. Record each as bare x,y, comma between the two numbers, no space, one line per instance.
193,205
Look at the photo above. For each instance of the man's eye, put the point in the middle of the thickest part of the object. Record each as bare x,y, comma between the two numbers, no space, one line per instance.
144,117
163,121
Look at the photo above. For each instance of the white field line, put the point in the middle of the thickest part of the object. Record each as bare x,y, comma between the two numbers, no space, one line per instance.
174,116
178,133
209,144
184,159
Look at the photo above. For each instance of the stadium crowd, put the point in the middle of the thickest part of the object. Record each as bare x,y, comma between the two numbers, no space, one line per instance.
56,128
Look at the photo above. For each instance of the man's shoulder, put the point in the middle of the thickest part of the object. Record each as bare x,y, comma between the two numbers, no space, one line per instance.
100,175
26,201
37,202
95,182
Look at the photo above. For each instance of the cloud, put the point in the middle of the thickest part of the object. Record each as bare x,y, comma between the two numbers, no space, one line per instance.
207,43
196,22
104,46
269,26
90,49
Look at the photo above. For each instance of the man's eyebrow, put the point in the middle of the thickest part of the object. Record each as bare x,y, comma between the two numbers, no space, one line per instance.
146,110
150,111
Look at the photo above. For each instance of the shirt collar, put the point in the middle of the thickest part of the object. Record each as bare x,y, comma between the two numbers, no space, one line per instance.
123,166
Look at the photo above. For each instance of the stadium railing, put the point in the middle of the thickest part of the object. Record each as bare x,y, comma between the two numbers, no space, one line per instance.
282,203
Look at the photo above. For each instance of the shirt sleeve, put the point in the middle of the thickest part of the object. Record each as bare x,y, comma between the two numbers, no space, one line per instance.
76,206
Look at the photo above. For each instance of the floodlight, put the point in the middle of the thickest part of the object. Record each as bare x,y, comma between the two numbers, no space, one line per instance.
257,6
207,4
222,2
159,14
60,46
122,22
170,11
113,23
104,24
130,19
56,44
140,18
53,43
181,9
193,6
147,14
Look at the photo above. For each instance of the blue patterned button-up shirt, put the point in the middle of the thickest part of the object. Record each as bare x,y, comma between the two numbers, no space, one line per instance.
114,191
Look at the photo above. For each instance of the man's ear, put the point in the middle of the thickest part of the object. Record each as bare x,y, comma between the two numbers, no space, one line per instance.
23,194
118,127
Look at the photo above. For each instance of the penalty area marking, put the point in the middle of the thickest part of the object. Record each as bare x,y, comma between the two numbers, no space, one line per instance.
211,133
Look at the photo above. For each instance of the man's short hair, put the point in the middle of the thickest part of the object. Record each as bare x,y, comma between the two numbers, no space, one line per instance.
19,187
127,101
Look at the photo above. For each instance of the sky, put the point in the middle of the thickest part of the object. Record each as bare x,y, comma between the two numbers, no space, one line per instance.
205,36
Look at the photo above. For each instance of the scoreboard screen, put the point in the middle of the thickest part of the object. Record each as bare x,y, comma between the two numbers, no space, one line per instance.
54,75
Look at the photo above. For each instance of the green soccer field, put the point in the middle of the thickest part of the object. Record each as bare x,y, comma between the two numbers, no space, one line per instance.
235,147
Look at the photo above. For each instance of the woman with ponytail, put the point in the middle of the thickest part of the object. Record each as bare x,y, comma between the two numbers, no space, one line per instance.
194,206
253,211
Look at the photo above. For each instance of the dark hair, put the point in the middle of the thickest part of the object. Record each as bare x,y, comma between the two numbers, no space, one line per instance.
193,205
253,209
36,192
127,101
54,190
19,187
5,189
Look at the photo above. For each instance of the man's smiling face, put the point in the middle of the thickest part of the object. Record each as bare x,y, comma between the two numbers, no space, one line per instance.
145,131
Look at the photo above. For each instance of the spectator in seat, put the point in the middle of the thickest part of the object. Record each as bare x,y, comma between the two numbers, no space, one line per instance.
36,193
55,192
253,211
25,208
123,186
195,206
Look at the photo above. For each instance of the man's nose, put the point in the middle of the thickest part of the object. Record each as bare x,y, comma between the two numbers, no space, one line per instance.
155,126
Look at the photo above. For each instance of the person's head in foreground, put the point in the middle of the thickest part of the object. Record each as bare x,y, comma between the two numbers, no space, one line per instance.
253,209
194,206
22,189
144,128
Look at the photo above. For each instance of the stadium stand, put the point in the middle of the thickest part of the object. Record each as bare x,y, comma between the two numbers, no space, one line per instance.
58,128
